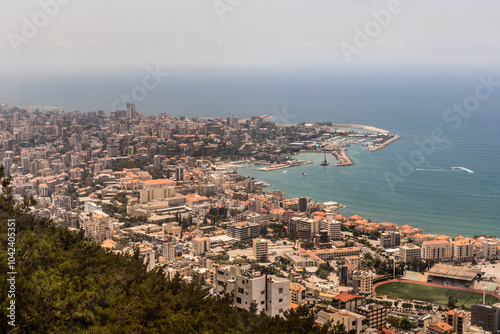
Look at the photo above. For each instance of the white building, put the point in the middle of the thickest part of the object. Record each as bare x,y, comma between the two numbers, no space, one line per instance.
409,252
489,249
271,294
437,250
148,254
260,249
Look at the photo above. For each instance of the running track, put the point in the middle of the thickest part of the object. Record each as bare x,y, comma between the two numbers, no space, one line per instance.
432,284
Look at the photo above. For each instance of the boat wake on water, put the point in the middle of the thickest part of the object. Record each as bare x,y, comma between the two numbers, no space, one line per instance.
452,169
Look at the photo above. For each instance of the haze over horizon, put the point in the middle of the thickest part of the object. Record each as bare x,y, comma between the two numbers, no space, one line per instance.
94,37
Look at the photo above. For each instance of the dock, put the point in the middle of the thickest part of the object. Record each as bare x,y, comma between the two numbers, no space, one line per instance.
375,147
342,157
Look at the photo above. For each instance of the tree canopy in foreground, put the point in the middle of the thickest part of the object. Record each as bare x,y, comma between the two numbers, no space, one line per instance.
67,283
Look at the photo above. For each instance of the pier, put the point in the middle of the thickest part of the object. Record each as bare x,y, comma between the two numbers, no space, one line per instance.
342,157
375,147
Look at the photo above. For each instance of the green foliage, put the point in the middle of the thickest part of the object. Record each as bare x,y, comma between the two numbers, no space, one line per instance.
405,323
120,164
66,283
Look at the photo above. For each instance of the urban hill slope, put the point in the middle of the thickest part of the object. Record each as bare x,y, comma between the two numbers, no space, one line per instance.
66,283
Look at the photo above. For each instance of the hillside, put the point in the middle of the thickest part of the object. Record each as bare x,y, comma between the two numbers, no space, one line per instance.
66,283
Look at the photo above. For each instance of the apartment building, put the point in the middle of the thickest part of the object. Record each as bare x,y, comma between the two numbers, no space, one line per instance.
459,319
489,248
156,190
437,250
200,246
243,231
390,239
168,251
334,229
376,314
297,293
271,294
486,316
353,322
462,249
362,281
70,219
260,249
409,252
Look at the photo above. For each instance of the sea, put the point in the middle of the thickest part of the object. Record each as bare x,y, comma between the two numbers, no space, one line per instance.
443,175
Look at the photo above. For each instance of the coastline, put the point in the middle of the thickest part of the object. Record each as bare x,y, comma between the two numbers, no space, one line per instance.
344,185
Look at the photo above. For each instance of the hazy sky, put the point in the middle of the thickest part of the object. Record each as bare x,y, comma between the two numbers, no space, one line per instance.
110,35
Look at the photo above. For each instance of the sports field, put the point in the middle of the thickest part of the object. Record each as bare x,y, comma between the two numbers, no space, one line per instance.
432,294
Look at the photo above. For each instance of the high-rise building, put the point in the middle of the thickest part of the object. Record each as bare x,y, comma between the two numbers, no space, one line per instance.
168,251
305,238
486,316
113,150
156,190
179,173
131,112
7,163
200,245
303,204
343,275
260,249
334,229
70,219
232,121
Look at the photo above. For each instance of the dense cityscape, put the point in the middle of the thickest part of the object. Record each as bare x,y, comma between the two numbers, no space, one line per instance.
166,189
